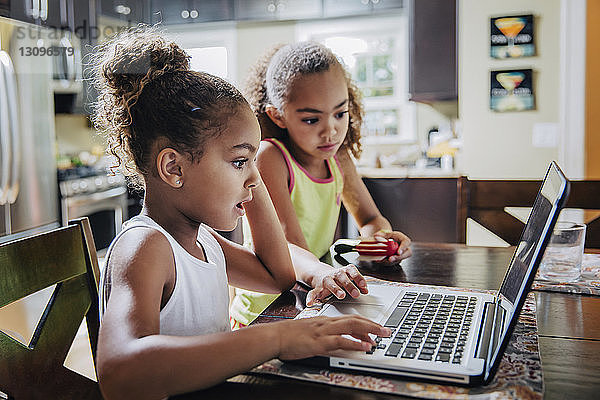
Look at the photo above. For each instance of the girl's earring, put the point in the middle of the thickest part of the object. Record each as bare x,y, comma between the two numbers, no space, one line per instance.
178,182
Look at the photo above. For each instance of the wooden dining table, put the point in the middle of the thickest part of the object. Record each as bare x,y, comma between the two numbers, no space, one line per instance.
568,327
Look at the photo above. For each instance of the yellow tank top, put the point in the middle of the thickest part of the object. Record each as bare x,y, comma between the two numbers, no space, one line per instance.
317,204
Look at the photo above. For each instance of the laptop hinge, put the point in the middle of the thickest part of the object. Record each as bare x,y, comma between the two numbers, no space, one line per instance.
496,332
485,335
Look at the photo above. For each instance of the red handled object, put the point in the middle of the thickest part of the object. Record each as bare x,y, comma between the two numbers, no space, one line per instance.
370,248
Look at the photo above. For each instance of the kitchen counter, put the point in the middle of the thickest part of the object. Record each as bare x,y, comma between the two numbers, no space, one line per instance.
401,172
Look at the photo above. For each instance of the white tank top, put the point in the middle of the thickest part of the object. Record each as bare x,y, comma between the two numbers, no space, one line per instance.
199,303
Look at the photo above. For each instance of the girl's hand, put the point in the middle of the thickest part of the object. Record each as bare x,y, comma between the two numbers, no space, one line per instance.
403,251
308,337
337,281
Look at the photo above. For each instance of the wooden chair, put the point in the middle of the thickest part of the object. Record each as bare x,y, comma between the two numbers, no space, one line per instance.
486,202
65,257
426,209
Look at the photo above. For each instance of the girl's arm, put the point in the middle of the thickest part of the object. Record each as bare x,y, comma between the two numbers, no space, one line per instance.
269,268
360,204
135,361
322,277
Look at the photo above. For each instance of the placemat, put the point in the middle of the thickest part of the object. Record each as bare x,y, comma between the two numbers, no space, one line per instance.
519,375
588,283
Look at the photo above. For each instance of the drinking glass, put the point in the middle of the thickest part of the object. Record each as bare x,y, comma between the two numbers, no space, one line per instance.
563,256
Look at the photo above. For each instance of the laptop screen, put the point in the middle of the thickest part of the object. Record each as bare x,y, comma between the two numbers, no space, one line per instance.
527,256
544,207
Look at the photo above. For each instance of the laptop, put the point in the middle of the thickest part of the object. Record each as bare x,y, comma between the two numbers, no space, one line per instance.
451,336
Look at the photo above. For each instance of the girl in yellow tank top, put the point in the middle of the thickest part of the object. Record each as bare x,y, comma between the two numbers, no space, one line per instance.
317,205
310,115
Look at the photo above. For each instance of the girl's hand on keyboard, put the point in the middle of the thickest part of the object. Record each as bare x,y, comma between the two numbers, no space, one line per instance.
308,337
337,282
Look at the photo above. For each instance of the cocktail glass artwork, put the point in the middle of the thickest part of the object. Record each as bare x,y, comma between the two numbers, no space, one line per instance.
510,27
510,81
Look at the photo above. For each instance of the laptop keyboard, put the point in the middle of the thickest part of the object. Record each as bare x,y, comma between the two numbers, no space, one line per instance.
429,327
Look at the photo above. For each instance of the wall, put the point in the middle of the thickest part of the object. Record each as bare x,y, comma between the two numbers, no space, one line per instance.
499,145
592,103
74,135
253,39
495,145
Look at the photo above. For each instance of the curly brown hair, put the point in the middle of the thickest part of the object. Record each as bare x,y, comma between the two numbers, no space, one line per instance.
147,93
271,77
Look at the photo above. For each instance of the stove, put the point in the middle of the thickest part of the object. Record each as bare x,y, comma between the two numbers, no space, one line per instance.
92,193
79,186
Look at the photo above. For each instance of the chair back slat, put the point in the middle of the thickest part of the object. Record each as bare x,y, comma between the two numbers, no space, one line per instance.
34,263
487,199
496,194
65,257
585,195
93,280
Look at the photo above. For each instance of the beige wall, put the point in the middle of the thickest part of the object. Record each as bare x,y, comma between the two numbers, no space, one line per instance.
74,135
592,121
253,39
495,145
499,145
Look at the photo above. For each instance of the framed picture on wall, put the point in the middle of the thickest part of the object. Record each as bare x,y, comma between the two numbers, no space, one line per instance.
512,90
512,36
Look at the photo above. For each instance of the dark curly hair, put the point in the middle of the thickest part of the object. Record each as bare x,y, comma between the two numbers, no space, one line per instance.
147,93
271,77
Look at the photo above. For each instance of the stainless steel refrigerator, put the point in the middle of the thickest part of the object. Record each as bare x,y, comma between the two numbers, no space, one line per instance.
28,179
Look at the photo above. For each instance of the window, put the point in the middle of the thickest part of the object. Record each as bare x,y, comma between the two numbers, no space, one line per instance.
212,49
375,51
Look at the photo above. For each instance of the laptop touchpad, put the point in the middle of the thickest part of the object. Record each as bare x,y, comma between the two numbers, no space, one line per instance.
382,295
369,311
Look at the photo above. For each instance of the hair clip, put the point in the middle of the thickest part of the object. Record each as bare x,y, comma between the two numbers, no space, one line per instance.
195,109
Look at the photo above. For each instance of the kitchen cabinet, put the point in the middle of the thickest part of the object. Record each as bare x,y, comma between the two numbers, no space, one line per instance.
50,13
343,8
433,50
277,9
32,12
171,12
132,11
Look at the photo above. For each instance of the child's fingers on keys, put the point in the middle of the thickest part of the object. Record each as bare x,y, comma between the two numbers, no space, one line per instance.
337,342
356,325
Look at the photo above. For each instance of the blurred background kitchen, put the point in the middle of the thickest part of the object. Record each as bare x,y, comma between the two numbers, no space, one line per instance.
423,67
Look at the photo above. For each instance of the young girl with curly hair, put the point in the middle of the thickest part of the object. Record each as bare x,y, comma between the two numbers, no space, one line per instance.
310,114
193,139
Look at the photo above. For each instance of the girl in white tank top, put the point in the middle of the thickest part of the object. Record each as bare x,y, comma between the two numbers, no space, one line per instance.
192,139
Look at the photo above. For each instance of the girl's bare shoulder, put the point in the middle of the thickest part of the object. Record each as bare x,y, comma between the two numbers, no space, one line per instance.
346,162
141,250
270,156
